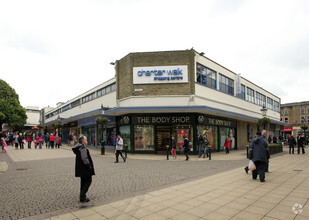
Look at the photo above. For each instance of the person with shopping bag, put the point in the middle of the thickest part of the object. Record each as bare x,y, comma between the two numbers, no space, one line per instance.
259,154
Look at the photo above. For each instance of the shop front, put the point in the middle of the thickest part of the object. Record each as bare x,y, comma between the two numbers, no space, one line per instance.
152,133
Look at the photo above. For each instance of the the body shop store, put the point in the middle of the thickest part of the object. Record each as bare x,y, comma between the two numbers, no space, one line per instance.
160,74
153,132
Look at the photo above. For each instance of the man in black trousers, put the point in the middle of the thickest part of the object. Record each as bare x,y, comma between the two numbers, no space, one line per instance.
259,154
83,167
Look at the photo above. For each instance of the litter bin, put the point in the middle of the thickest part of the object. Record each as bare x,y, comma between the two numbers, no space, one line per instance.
102,147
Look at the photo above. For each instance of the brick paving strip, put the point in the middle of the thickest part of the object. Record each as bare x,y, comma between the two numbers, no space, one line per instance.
228,195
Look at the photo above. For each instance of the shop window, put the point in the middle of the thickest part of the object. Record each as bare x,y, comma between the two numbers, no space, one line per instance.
211,132
144,137
179,131
206,76
226,132
125,134
226,85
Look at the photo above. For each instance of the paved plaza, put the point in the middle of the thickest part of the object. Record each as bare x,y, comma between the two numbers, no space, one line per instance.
40,184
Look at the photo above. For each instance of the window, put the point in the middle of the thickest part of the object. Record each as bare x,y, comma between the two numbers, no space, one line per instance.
308,119
101,92
276,106
88,98
302,111
270,103
286,112
75,103
108,89
286,120
226,85
206,76
302,120
250,95
113,87
260,99
242,95
307,110
65,108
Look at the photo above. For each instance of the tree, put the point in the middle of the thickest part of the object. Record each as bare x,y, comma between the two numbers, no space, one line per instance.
11,112
304,127
264,121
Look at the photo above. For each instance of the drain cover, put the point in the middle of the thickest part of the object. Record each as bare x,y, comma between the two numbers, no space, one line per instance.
298,170
21,169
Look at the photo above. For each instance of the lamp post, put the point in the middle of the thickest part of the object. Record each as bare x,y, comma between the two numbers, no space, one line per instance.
264,112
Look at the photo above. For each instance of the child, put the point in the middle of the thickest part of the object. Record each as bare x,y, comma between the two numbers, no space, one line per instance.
4,146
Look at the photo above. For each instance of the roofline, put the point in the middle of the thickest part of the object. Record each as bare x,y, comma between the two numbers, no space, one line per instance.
295,104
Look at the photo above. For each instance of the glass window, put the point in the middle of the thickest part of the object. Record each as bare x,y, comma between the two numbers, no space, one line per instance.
307,110
270,104
260,99
276,106
302,119
211,132
302,111
179,131
113,87
206,76
226,85
286,112
144,137
250,95
308,119
286,120
125,134
75,103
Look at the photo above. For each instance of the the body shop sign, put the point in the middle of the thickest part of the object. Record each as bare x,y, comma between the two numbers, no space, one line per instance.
160,74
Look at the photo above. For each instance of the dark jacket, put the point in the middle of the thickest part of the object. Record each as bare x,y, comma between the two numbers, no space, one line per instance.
259,150
200,140
292,141
83,162
186,144
174,143
300,141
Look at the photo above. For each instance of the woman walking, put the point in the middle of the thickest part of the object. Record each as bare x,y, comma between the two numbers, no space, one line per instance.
173,151
16,140
57,141
186,147
39,140
205,145
51,140
227,144
29,140
21,141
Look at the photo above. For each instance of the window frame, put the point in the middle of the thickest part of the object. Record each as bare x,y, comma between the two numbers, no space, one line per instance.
203,78
226,85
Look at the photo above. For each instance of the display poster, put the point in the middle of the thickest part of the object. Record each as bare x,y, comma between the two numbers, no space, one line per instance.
180,137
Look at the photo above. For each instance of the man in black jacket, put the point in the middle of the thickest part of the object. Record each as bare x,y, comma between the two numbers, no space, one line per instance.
83,167
300,144
259,154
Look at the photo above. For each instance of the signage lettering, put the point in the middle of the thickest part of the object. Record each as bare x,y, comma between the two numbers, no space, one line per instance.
163,120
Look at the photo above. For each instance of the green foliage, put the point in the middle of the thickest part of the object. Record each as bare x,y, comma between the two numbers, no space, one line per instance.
264,121
11,112
274,145
40,126
58,125
101,120
304,127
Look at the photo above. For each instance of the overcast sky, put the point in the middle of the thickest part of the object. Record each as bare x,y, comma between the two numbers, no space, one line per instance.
52,51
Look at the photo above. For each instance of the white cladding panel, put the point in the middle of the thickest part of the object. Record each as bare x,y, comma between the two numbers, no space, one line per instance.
33,118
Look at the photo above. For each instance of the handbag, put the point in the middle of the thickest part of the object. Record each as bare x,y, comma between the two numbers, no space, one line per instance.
251,165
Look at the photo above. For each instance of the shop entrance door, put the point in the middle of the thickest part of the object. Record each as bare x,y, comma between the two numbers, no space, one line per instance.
163,138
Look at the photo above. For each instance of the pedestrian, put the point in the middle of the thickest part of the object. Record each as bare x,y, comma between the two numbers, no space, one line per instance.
74,140
300,144
70,138
4,145
119,147
227,144
115,142
174,144
199,144
16,136
51,140
259,154
57,141
11,138
43,139
39,140
83,167
186,147
292,143
47,144
29,140
21,141
264,135
269,139
275,139
205,145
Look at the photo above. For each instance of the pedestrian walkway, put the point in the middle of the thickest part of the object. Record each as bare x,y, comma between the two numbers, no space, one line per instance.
229,195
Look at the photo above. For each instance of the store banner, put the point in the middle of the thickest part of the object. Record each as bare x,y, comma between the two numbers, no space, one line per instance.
160,74
238,84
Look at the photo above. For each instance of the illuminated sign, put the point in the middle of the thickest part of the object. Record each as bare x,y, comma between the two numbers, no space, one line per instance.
160,74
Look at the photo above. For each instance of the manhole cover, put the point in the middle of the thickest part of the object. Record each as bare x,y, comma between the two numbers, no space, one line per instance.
298,170
21,169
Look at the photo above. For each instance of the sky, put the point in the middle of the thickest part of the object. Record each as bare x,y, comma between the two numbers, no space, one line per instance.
54,50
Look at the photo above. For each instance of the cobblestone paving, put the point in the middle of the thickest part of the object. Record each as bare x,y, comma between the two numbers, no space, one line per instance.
45,188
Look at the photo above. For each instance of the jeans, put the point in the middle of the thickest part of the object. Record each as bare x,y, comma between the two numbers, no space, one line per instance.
117,155
173,151
40,144
205,152
199,150
291,147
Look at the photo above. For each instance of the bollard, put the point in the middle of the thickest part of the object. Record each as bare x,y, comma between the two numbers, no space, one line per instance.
125,150
209,153
102,147
167,151
247,151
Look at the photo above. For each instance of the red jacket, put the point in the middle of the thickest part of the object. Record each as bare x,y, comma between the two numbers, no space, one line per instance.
39,138
227,143
52,138
29,139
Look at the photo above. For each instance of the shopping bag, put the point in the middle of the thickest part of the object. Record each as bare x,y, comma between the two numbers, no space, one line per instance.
251,165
